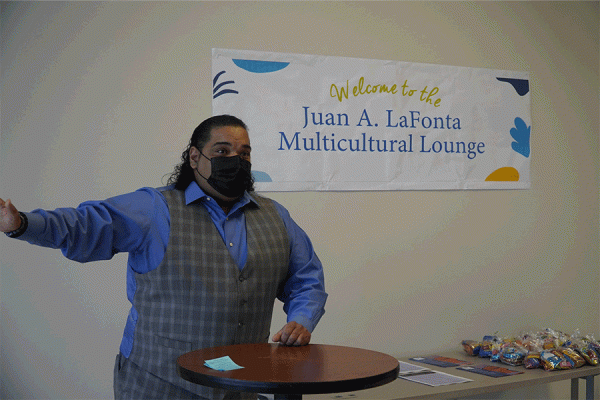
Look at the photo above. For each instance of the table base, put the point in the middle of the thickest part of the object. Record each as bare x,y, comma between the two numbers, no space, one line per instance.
288,397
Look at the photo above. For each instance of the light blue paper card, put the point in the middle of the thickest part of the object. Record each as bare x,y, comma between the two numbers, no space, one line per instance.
222,364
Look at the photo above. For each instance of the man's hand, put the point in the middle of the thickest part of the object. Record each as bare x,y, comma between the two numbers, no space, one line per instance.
292,334
9,216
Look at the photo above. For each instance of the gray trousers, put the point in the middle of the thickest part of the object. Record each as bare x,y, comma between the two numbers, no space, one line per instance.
134,383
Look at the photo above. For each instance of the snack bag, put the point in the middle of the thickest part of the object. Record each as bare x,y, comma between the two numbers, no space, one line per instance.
552,339
554,360
566,362
532,361
590,355
533,344
486,346
513,355
549,360
575,358
496,349
471,347
594,345
582,347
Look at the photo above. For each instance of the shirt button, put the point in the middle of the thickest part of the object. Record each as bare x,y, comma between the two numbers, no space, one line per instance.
230,244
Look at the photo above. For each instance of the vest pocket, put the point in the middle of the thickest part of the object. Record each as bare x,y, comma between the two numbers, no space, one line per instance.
173,343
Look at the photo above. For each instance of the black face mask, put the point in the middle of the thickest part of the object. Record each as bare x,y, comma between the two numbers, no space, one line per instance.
230,176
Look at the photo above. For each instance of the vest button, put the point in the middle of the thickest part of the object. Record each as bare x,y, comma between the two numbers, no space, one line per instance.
242,279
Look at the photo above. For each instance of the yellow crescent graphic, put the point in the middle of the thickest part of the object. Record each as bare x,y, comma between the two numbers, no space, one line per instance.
504,174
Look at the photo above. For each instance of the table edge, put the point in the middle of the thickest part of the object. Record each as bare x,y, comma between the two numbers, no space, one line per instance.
289,387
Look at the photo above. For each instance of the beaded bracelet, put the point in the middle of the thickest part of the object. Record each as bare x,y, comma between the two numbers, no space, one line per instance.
21,229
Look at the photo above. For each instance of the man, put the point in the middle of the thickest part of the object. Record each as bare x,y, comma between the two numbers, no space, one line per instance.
207,258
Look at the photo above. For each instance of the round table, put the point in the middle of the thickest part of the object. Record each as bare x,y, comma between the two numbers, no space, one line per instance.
288,371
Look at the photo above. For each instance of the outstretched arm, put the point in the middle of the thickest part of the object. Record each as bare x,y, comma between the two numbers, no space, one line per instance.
95,230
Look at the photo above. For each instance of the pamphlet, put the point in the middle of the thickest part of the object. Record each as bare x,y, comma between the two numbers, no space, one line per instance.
490,370
440,361
426,376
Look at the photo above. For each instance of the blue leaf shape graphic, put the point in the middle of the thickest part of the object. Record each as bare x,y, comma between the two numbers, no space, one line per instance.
521,133
260,67
260,176
217,76
520,85
226,91
219,86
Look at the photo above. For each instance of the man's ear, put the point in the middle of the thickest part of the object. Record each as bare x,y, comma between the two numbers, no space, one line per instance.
194,156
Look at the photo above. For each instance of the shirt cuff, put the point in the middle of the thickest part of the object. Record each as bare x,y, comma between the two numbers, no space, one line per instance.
304,321
21,229
35,228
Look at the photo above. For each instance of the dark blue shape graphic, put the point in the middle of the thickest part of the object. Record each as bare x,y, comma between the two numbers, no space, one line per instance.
216,92
521,133
520,85
260,176
216,78
260,67
221,84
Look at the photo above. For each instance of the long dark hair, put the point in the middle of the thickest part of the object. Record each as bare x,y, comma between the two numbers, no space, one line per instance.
183,174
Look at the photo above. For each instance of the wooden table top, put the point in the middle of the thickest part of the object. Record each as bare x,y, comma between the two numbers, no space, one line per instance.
274,368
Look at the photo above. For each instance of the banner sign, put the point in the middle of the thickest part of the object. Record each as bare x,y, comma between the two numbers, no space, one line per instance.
338,123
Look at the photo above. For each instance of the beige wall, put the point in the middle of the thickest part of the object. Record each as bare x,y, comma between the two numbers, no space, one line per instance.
100,98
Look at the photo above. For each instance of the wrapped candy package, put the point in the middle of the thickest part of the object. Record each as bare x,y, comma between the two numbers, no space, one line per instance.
548,349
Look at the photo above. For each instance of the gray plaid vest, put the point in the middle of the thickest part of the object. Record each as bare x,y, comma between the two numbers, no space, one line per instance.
198,297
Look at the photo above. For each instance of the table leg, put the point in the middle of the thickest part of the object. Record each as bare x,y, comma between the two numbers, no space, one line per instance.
574,389
589,387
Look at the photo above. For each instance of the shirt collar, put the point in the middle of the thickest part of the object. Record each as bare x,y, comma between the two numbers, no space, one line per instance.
194,193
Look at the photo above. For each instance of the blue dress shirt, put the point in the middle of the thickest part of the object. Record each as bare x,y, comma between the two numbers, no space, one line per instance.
139,223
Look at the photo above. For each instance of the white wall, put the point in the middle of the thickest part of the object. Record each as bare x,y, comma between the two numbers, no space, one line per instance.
99,99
